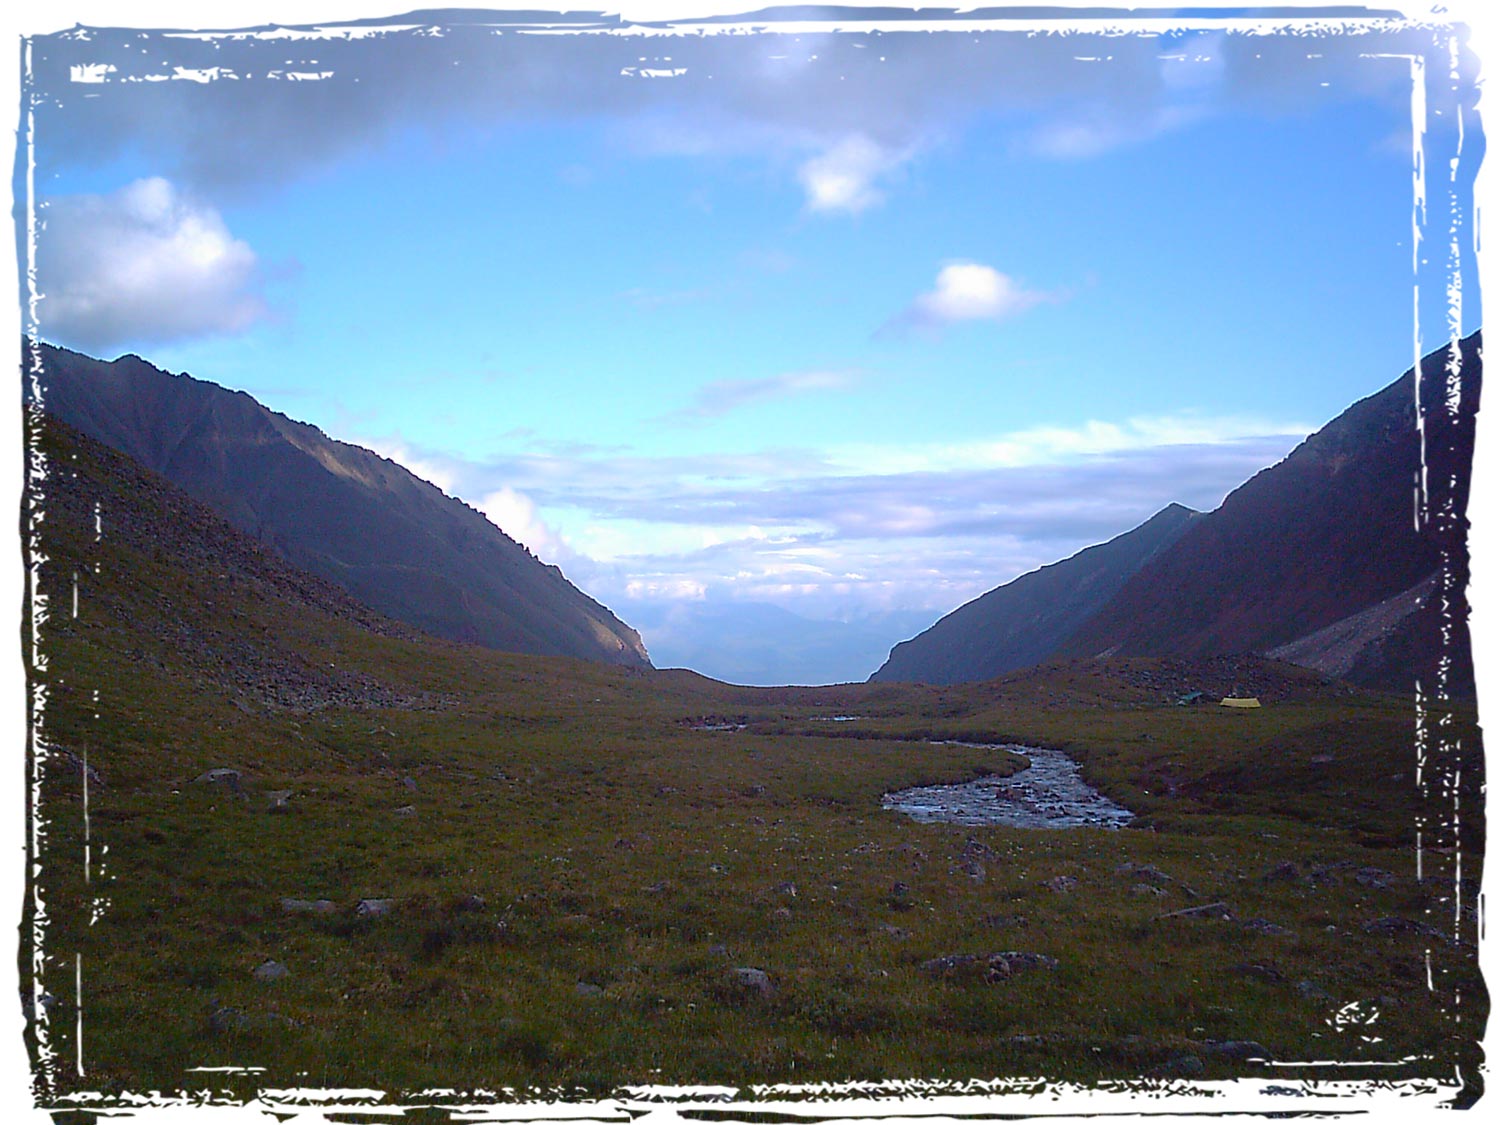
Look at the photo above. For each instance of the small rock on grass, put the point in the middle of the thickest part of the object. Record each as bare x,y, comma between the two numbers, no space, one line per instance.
224,776
307,906
754,981
1391,925
268,971
1262,926
992,967
374,907
1143,873
1215,910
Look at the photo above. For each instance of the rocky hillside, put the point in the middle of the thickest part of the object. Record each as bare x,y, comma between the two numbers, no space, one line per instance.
393,541
1022,622
1368,509
130,565
1349,557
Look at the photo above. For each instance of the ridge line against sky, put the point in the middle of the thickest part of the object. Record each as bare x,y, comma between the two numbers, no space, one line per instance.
695,321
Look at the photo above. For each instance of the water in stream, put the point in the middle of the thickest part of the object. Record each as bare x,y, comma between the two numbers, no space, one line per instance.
1049,793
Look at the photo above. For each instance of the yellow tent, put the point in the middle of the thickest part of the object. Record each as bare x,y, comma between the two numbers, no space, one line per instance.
1231,701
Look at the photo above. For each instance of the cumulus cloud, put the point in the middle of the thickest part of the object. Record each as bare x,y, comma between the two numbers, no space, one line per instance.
145,264
843,177
428,468
514,513
967,291
720,397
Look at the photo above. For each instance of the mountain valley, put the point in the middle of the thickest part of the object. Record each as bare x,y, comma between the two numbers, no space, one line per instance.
292,837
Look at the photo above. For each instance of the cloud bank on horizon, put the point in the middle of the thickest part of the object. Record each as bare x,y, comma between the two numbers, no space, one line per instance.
905,313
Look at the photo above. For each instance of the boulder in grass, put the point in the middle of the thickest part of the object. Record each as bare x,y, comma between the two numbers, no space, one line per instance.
1211,910
223,776
754,982
1143,873
1391,926
374,907
1262,926
268,971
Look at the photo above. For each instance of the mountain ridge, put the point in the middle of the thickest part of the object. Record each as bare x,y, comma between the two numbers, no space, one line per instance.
397,543
1330,531
1019,623
1349,556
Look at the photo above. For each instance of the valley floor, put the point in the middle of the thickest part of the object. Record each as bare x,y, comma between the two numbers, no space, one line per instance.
533,875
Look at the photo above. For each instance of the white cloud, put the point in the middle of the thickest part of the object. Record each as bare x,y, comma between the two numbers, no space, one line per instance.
1049,445
515,514
144,264
723,395
843,177
969,291
394,449
665,589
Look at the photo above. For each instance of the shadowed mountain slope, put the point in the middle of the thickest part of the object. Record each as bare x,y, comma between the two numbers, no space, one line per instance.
1023,622
1369,507
395,542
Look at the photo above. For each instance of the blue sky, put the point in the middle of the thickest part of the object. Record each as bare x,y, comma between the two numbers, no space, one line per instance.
848,319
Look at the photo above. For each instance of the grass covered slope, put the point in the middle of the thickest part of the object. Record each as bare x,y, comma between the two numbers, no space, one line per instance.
357,519
444,866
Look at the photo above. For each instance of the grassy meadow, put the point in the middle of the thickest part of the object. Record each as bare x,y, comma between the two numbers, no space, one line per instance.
562,875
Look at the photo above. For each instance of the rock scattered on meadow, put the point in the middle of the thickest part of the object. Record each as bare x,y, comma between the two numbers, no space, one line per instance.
1262,926
753,981
1214,910
989,967
221,776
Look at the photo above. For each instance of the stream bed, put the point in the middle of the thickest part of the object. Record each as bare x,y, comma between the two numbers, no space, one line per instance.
1049,793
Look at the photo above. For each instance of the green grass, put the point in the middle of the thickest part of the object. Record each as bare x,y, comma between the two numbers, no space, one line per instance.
583,870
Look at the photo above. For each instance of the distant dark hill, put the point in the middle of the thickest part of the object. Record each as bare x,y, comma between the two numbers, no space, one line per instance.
1330,533
395,542
1024,621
